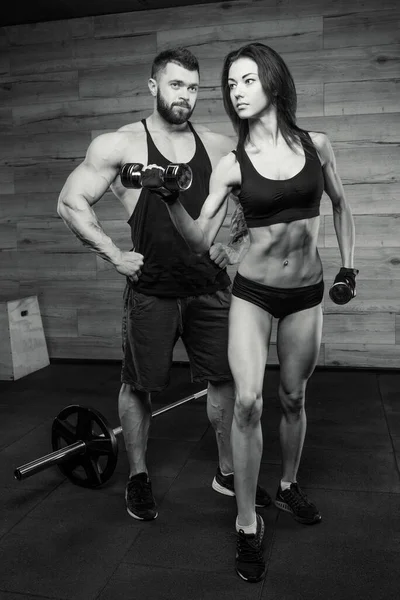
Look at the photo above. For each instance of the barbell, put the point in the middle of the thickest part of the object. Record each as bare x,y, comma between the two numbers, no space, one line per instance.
85,446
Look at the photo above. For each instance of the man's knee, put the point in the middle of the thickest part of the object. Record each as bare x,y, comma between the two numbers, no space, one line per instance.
128,394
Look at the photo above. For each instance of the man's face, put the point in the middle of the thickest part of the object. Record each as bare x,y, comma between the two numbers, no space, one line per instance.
177,90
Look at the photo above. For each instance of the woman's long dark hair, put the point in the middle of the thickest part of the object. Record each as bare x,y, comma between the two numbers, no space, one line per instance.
279,87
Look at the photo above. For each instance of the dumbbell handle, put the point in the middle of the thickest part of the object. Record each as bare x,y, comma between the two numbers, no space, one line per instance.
175,177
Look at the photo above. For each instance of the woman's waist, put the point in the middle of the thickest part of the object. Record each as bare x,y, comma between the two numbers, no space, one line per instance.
286,270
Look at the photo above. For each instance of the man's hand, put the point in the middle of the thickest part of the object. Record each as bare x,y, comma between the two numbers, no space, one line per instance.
218,253
129,264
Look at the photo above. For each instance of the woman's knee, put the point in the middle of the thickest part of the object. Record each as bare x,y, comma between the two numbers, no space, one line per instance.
248,407
292,399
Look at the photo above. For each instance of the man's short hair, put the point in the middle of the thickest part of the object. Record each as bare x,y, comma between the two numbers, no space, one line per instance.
179,56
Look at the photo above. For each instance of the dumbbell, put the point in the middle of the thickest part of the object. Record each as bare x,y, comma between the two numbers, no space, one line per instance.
175,177
344,286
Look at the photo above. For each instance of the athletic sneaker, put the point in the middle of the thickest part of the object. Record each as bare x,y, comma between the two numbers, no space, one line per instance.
139,498
224,485
250,563
294,501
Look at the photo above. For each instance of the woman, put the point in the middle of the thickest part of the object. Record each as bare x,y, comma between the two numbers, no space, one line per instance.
278,173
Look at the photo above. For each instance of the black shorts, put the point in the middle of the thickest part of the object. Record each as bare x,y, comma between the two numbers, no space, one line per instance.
152,325
279,302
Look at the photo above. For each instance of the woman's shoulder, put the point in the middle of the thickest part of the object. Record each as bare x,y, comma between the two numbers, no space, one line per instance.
322,145
319,139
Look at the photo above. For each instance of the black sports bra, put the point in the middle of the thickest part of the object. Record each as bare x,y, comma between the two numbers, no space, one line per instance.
269,201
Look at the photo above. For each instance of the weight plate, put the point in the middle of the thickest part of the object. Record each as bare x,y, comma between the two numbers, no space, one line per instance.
96,465
178,177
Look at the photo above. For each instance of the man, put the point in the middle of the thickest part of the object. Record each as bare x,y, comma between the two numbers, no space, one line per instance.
170,291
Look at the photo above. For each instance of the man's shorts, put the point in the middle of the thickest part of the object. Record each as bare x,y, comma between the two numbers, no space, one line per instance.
151,326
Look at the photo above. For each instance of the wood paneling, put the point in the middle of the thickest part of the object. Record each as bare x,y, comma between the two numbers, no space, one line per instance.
60,322
371,230
85,295
38,266
338,65
368,163
358,97
58,31
54,146
82,54
85,348
372,128
82,115
8,237
367,29
38,89
103,322
62,83
118,82
28,207
6,181
42,177
359,328
368,198
286,35
371,356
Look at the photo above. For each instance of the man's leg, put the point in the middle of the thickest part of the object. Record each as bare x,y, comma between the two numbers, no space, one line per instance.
134,409
220,404
149,332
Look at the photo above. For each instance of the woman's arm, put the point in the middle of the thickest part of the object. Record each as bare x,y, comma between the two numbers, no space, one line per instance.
199,234
342,215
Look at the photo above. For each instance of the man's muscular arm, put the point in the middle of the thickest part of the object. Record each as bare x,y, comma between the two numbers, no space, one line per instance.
83,188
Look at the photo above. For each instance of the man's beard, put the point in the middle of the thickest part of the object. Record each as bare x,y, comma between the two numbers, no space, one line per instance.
169,114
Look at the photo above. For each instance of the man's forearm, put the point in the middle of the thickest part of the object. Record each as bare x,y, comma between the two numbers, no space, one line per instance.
84,223
344,227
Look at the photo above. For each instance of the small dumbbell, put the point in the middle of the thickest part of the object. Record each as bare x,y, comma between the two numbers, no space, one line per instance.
175,178
344,286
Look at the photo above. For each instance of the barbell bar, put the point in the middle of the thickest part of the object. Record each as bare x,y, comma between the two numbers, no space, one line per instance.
79,461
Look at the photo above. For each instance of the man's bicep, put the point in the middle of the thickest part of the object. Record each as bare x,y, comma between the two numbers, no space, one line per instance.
87,182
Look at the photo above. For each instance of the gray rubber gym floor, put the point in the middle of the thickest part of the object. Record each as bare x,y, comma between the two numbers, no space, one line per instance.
60,541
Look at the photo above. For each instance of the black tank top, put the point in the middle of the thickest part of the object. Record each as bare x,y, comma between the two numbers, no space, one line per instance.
269,201
170,269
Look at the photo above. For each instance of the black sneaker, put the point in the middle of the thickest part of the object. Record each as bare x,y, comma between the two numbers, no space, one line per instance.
294,501
224,485
250,563
139,498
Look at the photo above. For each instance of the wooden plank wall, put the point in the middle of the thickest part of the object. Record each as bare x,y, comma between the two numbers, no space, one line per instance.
64,82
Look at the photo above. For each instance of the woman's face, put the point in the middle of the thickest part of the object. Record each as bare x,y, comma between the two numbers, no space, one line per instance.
247,94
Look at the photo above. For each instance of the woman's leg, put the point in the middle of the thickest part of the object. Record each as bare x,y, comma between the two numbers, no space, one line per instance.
249,334
298,344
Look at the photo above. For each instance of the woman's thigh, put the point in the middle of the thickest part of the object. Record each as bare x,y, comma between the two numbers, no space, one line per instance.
249,335
298,345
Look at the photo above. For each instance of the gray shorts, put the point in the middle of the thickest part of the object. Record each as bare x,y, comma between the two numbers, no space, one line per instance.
151,326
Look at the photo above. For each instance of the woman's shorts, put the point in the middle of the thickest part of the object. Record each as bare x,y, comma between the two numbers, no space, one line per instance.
279,302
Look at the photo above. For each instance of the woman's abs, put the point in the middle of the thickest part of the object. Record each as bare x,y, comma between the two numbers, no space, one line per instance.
284,256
